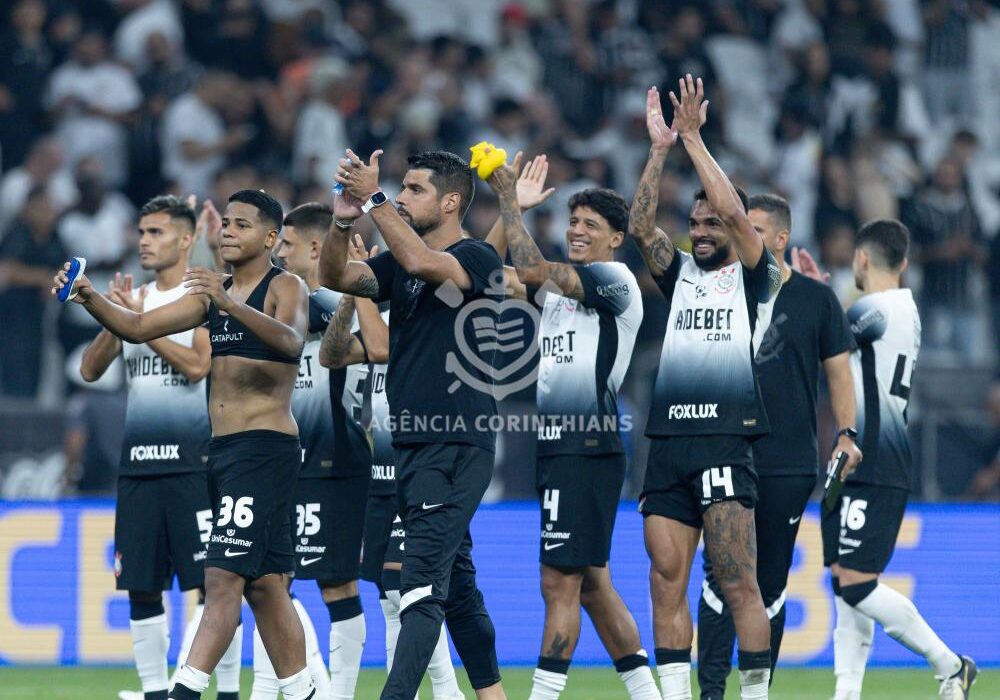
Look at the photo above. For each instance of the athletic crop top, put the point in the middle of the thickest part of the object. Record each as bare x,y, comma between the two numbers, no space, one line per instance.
231,337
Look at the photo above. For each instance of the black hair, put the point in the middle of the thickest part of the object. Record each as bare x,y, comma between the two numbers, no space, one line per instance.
173,206
503,106
449,173
605,202
888,239
268,208
702,196
776,207
311,217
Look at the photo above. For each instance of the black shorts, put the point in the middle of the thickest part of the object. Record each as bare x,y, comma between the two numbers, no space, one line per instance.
251,480
685,475
379,514
396,544
860,534
579,500
329,519
162,524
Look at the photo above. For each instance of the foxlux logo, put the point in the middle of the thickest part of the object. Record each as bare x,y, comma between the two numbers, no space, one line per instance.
693,410
143,453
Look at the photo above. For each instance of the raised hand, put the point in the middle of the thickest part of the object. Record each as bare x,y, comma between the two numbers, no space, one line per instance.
503,180
346,207
356,249
83,286
802,262
531,185
357,177
691,110
661,136
201,280
209,225
120,292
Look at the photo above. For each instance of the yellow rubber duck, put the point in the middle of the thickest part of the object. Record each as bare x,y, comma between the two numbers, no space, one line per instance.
486,158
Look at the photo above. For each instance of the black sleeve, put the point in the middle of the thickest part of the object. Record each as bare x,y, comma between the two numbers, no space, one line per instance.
605,288
835,332
384,266
668,280
482,264
763,281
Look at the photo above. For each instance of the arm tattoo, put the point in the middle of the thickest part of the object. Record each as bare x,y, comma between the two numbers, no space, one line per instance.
731,541
365,285
527,257
338,337
655,246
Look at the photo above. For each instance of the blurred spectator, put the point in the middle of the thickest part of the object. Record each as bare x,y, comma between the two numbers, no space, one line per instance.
517,67
144,19
946,80
985,483
92,101
29,255
835,205
985,69
811,89
43,167
837,256
194,138
321,131
948,245
797,168
25,60
96,228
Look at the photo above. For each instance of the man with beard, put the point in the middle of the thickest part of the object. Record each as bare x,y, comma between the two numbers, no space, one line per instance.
706,407
443,441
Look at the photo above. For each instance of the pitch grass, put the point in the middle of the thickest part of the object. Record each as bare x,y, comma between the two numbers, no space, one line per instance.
45,683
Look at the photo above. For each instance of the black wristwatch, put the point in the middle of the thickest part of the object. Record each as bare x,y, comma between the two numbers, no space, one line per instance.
849,432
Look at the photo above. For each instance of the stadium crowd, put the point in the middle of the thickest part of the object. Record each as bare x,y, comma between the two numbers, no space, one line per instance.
852,110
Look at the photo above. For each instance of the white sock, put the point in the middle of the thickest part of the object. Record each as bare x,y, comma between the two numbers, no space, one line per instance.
227,673
640,684
901,620
150,642
390,611
192,678
442,671
265,680
546,685
675,680
852,642
347,641
314,659
754,683
298,686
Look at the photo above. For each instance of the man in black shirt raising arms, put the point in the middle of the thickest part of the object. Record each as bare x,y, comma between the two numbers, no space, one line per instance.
442,434
800,328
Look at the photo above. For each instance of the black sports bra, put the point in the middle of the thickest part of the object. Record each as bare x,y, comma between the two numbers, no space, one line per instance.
230,337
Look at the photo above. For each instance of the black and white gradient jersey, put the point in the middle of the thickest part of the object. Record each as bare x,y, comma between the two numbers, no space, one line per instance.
383,481
327,403
586,347
166,421
706,383
886,326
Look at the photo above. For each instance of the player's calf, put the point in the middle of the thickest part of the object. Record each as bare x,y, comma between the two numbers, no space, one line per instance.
347,635
150,642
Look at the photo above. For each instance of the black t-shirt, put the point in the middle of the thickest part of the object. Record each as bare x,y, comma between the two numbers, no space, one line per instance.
806,327
19,245
437,387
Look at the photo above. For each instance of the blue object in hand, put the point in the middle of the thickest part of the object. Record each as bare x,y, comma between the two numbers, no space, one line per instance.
76,268
337,189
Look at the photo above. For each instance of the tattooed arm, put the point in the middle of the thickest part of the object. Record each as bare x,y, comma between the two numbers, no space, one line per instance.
343,275
340,347
532,268
656,247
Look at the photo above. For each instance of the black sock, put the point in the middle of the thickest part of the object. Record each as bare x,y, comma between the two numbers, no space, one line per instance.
344,609
182,692
631,662
228,696
672,656
156,695
749,660
553,665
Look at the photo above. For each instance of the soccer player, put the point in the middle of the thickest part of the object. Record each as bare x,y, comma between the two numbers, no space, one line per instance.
590,317
381,561
257,325
800,329
444,442
860,534
706,407
163,513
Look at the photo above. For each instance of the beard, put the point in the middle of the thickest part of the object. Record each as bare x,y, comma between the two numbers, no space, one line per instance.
424,226
714,260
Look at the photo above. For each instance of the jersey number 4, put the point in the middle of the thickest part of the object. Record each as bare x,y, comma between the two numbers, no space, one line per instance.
550,502
717,478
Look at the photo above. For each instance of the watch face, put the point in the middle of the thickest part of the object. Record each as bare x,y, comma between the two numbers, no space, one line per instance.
378,198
